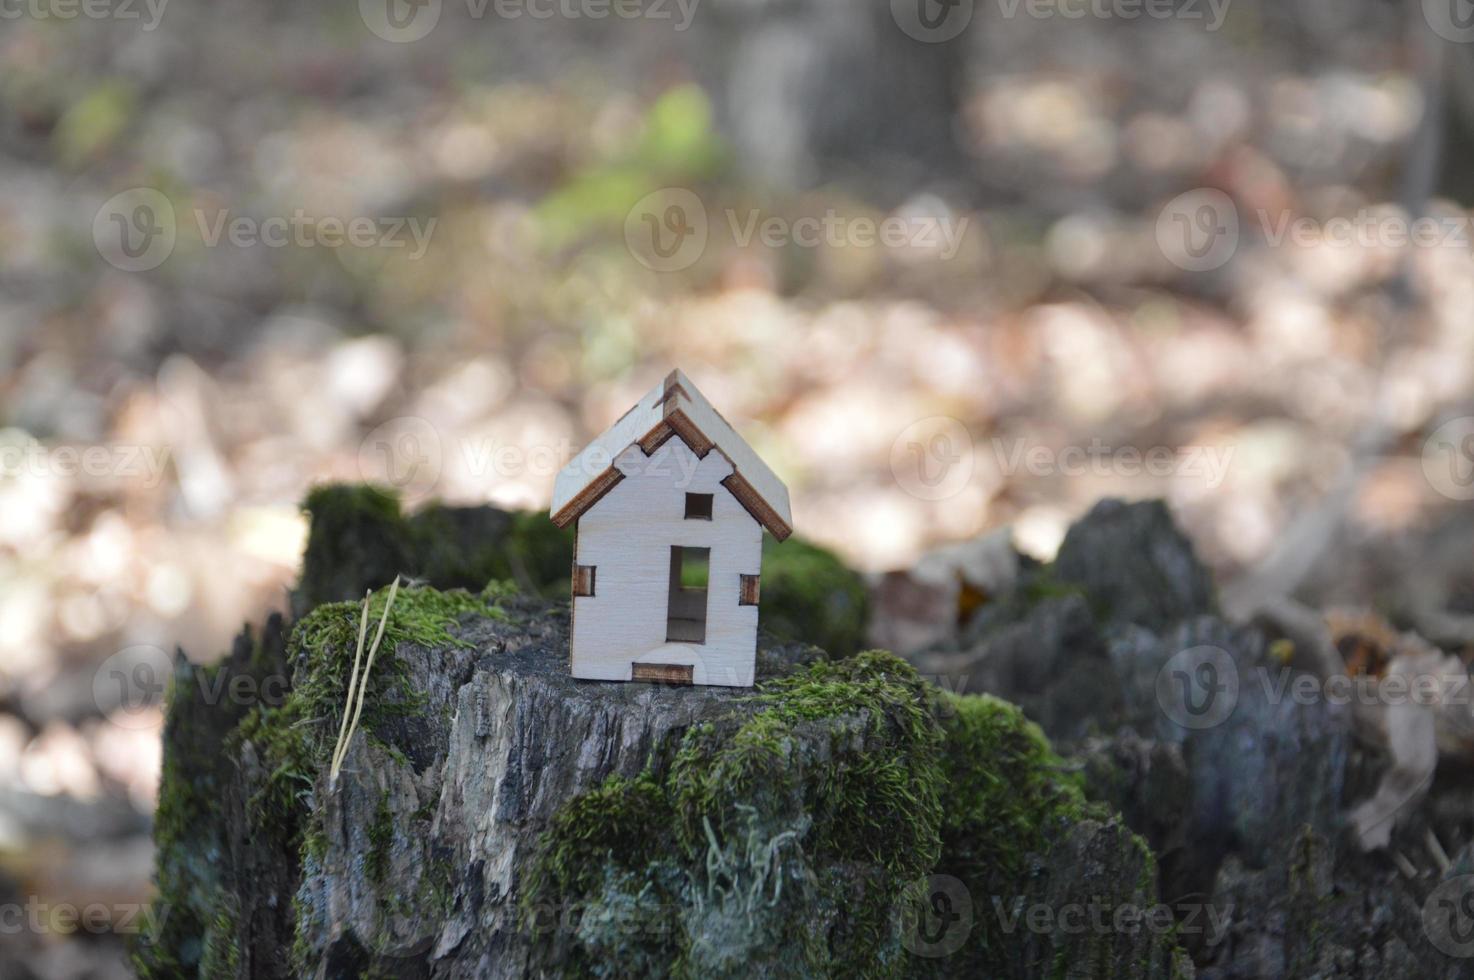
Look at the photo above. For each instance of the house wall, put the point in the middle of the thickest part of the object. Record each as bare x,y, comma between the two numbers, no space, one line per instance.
627,535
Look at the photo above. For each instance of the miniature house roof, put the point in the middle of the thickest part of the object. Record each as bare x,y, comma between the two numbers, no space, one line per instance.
673,407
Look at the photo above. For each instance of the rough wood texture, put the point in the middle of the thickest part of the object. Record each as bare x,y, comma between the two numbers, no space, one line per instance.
419,861
674,408
636,616
662,674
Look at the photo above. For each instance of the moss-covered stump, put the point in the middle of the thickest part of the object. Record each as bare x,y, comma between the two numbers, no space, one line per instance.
808,594
495,817
360,539
1238,785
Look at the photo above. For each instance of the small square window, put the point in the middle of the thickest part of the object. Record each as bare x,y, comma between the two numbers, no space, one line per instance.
698,506
583,580
750,590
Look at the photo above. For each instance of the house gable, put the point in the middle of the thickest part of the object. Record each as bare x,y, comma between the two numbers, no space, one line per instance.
633,545
673,408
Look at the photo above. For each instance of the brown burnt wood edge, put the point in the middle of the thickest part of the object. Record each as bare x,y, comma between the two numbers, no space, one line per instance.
663,674
677,423
673,389
738,487
573,606
588,496
699,441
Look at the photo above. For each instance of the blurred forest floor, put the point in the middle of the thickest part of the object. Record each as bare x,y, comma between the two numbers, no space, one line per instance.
1027,375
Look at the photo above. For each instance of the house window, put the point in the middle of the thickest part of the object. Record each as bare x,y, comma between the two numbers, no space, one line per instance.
698,506
750,589
583,580
686,613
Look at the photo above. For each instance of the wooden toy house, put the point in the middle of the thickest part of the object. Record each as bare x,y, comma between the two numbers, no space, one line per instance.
669,506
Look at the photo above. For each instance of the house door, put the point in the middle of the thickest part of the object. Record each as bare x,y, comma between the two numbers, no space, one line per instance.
685,620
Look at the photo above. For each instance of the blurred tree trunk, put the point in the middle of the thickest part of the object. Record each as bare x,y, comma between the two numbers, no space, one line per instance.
814,91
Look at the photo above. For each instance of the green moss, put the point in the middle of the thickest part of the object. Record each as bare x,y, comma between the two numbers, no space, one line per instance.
461,547
1004,784
360,539
357,538
187,826
381,840
294,740
878,804
620,824
808,594
823,791
222,955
